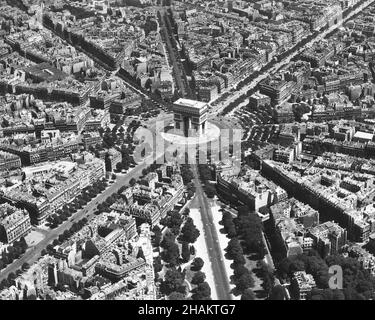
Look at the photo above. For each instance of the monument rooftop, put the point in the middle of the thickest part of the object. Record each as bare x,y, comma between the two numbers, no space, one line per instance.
190,103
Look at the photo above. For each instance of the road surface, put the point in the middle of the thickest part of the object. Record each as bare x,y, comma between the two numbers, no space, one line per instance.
212,241
174,58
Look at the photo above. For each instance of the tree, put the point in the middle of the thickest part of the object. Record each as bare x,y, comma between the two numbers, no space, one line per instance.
186,173
23,242
10,257
268,282
229,225
132,182
158,266
11,249
171,252
266,274
25,266
249,227
17,252
65,209
11,277
197,264
198,278
248,294
176,296
185,252
243,211
338,295
202,292
119,166
234,249
189,231
205,172
173,281
157,236
190,189
317,297
167,238
277,293
173,221
4,284
67,234
244,282
239,270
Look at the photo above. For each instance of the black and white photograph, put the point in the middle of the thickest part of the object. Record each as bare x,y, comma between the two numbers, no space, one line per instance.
206,151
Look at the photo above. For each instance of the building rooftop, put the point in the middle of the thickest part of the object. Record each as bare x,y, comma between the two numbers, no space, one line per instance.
363,135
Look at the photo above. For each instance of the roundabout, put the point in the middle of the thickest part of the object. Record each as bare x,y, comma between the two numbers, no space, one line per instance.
174,136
